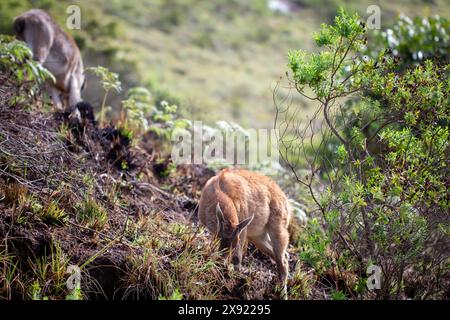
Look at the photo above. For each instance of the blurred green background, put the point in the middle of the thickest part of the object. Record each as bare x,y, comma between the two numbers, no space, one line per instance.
217,59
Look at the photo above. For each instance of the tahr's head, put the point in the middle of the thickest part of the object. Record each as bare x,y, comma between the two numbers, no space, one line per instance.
229,235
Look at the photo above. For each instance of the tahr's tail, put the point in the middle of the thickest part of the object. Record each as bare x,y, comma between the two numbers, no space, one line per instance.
225,203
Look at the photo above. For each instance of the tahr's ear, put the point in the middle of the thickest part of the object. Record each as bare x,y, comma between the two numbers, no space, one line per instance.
243,224
219,214
220,218
19,27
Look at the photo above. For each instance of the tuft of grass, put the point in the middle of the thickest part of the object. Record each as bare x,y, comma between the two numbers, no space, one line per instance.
146,277
178,229
49,275
14,194
10,281
92,214
51,213
64,132
338,295
301,284
34,291
19,199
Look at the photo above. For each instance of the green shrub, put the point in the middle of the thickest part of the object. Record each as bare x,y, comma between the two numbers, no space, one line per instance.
382,206
137,106
17,60
109,81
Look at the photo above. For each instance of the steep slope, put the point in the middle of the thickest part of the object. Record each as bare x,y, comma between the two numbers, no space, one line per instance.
64,201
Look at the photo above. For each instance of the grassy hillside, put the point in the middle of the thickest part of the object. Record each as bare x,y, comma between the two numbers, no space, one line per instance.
65,199
105,196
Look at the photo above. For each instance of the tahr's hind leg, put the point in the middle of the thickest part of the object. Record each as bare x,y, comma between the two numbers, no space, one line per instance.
280,241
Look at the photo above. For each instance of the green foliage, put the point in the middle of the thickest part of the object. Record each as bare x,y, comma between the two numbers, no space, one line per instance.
164,120
17,59
176,295
137,106
338,295
342,154
75,294
416,40
35,291
379,206
318,70
315,246
143,113
109,81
